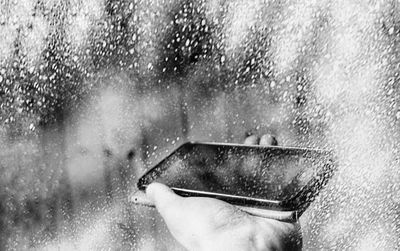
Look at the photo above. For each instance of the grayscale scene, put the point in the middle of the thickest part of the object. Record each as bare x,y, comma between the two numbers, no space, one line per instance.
300,100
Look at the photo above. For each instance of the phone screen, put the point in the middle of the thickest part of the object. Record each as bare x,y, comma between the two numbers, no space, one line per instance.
272,173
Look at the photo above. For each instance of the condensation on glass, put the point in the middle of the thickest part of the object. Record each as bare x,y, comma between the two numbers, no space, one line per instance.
94,92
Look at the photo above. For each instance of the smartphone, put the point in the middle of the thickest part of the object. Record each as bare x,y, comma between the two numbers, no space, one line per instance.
281,181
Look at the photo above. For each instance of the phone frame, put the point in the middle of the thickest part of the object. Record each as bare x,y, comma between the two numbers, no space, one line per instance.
299,202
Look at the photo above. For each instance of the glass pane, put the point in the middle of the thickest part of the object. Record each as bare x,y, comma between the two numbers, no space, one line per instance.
95,92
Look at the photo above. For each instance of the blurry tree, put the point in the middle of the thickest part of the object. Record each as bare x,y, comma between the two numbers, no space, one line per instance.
43,94
188,40
113,40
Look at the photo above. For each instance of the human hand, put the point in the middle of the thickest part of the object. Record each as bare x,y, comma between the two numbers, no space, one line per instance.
210,224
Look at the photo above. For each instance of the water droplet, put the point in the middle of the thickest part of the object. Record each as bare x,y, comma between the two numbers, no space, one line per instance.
398,115
299,87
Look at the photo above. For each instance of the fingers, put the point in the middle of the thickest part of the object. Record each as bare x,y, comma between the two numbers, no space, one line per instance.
265,140
252,140
268,140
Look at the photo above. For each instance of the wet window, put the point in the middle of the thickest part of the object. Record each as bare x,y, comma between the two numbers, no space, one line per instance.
93,93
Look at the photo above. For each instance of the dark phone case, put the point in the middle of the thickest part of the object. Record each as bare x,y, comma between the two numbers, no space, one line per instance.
297,202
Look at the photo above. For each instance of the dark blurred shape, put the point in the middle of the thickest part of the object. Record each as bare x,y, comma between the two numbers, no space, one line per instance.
130,155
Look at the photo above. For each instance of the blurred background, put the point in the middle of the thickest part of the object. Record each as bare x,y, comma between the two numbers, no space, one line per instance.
92,93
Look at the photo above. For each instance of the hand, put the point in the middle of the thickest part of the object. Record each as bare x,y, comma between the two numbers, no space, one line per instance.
210,224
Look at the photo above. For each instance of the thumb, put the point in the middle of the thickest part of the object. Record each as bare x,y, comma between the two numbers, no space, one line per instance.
166,201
